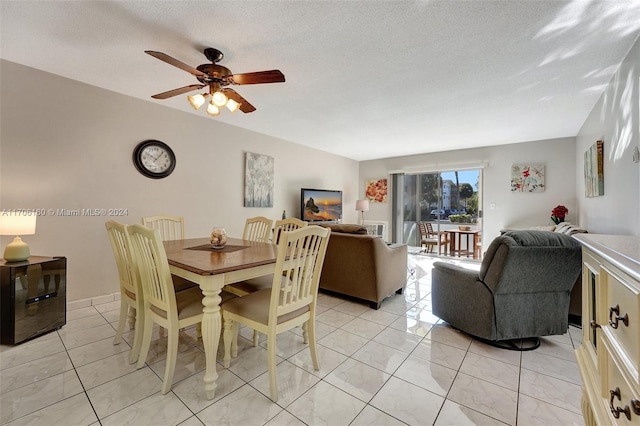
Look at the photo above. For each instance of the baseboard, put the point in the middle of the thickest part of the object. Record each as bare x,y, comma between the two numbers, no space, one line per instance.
92,301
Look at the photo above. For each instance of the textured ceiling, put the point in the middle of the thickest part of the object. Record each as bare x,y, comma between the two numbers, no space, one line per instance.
364,79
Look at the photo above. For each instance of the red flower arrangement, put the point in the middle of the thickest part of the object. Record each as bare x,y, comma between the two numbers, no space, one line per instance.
558,214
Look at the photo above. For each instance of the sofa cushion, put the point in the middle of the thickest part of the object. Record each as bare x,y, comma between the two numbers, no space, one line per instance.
346,228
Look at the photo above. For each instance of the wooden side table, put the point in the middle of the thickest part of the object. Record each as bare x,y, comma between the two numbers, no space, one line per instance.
455,242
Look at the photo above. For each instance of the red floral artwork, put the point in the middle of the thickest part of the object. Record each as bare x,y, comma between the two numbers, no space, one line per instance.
376,190
527,177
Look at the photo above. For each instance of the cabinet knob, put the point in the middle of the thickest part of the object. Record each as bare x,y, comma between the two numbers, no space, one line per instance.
635,404
613,322
594,325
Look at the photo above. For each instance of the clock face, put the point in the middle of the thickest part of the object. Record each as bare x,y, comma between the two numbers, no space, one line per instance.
154,159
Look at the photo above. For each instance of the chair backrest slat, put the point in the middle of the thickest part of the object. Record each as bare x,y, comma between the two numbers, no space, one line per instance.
257,229
151,262
285,225
429,228
300,258
120,244
422,228
170,227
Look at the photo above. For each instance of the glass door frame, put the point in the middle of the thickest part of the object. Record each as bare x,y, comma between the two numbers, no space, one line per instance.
402,216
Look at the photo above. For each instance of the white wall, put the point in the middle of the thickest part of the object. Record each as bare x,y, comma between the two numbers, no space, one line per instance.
615,119
67,145
512,209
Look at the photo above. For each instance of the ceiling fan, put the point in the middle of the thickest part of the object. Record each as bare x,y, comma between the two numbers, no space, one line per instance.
217,78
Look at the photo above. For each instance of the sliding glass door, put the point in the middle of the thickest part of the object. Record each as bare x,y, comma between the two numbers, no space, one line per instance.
448,202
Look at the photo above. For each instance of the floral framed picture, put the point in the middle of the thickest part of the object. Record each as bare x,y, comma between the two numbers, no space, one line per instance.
376,190
527,177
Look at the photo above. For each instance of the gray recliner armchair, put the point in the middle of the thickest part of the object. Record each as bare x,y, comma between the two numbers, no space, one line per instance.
521,291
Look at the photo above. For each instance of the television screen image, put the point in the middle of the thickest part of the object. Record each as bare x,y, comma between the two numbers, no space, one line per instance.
319,205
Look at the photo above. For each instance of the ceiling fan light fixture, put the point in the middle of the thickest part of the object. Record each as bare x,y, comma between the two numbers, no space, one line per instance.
196,101
219,99
232,105
213,110
216,77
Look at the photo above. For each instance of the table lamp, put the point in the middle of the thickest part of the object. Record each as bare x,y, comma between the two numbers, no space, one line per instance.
17,225
362,206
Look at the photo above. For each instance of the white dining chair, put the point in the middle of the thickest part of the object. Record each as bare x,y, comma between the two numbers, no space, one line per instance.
290,302
170,227
242,288
257,229
162,305
285,225
131,298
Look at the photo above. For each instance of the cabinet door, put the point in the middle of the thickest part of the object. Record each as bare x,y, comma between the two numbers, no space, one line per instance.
591,294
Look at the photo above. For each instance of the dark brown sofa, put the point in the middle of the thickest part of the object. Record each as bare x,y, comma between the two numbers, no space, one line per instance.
363,266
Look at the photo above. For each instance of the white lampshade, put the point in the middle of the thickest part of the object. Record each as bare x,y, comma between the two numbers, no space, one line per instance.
17,225
213,110
232,105
196,101
362,205
219,99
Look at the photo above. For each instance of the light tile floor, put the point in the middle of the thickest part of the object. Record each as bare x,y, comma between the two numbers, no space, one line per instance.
398,365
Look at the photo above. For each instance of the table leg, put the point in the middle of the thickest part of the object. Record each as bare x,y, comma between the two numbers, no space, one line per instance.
468,247
475,243
453,244
211,326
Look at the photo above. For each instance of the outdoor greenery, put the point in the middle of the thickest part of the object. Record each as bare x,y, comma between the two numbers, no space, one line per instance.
466,191
461,218
422,193
472,204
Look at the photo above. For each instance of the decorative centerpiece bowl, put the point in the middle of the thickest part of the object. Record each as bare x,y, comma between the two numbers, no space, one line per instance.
464,227
218,237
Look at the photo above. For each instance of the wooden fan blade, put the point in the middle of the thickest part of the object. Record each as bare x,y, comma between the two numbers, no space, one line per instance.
245,106
180,91
272,76
176,63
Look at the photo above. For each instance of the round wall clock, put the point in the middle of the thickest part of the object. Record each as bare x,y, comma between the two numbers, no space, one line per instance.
154,159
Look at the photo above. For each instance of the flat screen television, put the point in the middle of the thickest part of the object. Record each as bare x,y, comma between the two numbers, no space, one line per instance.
320,205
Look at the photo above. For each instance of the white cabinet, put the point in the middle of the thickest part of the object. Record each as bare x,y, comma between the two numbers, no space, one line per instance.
608,356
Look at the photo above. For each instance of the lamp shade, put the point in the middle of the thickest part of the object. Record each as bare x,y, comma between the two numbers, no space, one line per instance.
213,110
219,99
196,101
362,205
18,224
232,105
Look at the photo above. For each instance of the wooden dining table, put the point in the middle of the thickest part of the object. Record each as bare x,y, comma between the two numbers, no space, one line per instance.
195,260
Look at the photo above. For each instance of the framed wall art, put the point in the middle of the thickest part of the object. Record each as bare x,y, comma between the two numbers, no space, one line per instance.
527,177
258,180
375,190
594,170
